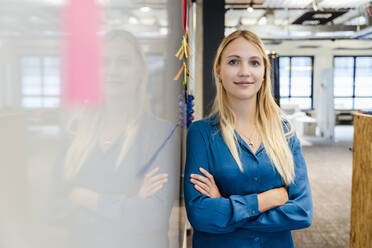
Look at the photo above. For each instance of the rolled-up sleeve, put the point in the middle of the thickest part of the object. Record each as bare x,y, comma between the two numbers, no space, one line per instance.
297,212
212,215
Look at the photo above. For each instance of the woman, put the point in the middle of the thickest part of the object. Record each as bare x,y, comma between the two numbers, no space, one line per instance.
105,191
246,182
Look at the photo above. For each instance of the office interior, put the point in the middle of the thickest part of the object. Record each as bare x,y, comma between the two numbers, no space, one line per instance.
322,77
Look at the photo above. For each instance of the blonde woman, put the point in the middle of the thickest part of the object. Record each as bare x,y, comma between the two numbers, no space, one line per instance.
246,182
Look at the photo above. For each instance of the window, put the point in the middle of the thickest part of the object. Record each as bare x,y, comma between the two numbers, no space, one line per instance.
296,81
353,82
40,80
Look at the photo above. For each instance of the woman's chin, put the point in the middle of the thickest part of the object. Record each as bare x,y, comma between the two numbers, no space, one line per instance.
243,97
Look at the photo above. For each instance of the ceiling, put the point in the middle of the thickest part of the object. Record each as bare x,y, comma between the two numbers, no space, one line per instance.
35,18
270,19
301,19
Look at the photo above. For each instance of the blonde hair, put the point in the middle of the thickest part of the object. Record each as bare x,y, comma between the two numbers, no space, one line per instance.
269,117
92,120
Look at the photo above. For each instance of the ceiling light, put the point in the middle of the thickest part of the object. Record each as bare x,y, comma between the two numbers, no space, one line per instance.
145,9
311,22
148,21
262,21
250,9
163,30
133,20
322,15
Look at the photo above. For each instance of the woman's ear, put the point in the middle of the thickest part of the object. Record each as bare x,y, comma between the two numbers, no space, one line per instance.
218,72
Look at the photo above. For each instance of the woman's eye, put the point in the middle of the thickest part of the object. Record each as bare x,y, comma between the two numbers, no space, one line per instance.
255,63
233,62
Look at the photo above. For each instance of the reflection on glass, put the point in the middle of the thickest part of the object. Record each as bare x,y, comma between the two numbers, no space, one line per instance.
105,192
54,158
40,80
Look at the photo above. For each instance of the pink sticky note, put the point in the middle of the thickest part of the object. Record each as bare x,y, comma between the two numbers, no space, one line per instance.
82,64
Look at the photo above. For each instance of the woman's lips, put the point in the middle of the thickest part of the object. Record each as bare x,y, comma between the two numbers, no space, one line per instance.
243,83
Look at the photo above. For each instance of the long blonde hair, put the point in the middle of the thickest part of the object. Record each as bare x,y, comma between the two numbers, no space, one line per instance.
269,117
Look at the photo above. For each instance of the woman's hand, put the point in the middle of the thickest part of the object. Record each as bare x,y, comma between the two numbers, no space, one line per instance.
152,183
205,185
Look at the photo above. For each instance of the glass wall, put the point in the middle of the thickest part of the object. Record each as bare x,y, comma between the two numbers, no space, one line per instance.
90,146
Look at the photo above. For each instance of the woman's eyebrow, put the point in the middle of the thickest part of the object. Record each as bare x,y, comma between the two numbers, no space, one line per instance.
233,56
237,56
255,57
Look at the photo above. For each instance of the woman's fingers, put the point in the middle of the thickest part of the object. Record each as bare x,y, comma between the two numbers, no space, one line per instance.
200,184
207,174
207,183
200,178
157,183
151,173
154,189
201,190
158,177
152,183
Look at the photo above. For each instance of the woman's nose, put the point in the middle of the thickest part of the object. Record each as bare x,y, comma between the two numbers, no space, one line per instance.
244,70
111,68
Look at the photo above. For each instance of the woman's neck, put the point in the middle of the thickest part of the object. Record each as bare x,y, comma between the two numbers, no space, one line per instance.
244,110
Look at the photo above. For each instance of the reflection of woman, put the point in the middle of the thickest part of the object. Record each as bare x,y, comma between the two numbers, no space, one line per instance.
246,183
98,193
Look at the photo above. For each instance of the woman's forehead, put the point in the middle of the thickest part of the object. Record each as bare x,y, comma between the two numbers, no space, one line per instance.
241,47
120,46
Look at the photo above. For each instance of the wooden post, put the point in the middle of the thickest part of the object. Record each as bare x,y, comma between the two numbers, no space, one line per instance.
361,200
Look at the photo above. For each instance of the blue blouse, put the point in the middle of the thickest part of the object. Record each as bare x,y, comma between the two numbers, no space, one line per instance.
234,220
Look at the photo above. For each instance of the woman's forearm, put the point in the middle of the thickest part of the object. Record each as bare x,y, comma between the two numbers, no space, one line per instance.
272,198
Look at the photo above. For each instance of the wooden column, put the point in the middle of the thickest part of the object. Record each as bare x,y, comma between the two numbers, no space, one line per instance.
361,202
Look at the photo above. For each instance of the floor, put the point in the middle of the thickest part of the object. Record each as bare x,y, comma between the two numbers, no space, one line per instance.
330,173
330,170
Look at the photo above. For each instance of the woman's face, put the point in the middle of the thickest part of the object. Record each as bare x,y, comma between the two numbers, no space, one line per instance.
241,70
123,69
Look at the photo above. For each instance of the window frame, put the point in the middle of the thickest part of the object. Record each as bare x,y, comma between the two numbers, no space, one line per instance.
290,80
42,95
353,97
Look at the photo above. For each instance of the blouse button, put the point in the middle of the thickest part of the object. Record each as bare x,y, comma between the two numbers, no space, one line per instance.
255,178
